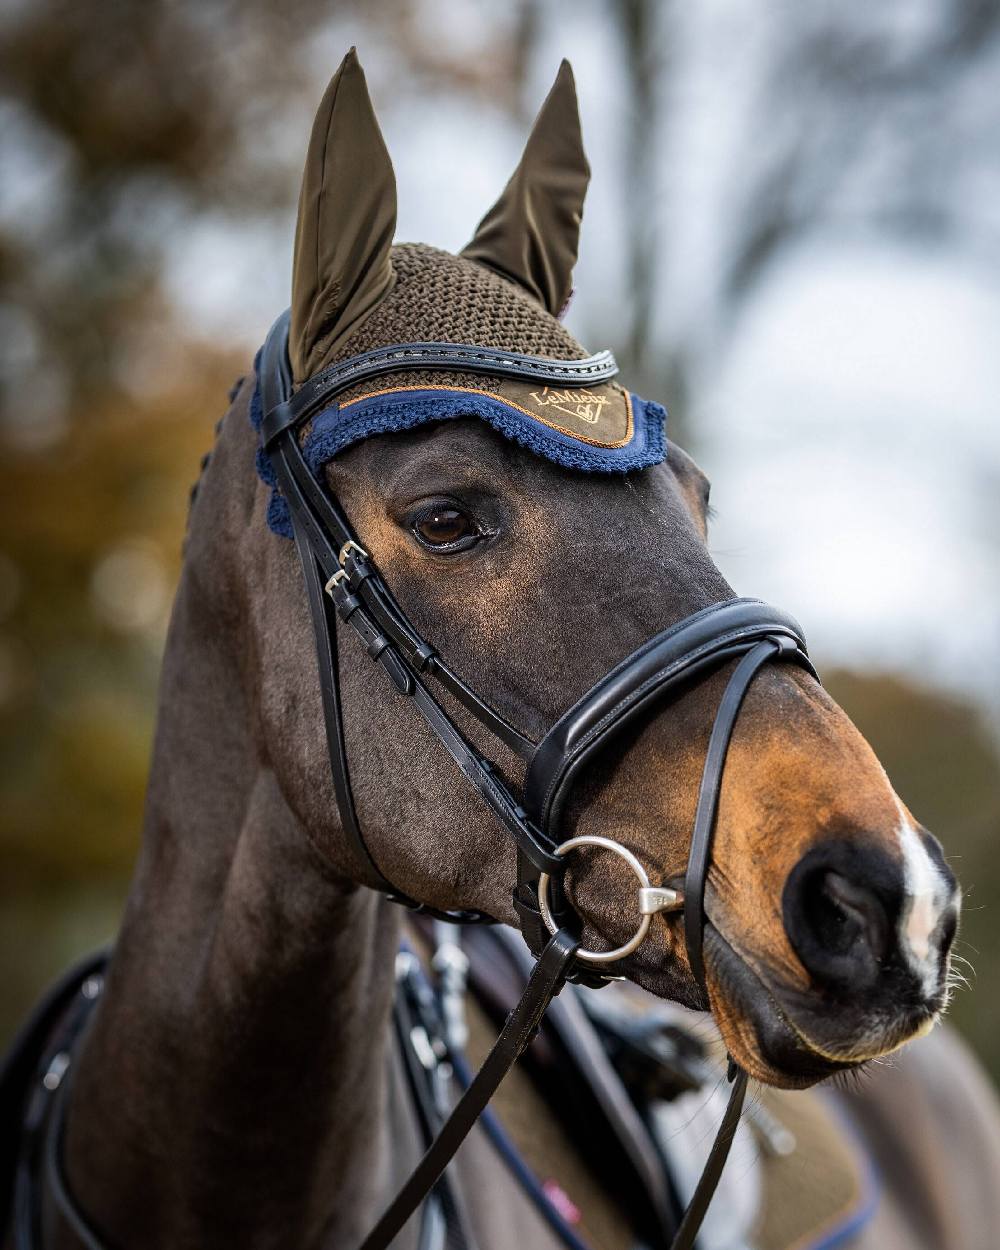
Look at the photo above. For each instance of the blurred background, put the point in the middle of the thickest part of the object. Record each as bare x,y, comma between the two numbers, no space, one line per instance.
792,238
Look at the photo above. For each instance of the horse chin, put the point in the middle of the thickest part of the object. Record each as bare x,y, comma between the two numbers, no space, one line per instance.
763,1038
757,1031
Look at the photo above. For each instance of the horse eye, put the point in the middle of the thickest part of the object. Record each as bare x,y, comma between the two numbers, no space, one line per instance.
445,527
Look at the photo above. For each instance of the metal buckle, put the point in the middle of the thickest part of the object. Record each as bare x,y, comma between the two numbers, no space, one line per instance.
335,580
341,575
348,547
652,899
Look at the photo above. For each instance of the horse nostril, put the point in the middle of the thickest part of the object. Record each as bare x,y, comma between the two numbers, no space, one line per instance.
838,925
850,911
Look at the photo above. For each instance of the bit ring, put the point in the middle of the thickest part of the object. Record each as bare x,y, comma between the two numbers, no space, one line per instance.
651,898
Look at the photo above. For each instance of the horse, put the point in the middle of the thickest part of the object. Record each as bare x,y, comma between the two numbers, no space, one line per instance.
240,1076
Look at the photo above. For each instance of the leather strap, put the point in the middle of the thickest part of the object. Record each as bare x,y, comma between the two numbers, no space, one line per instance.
325,632
693,646
545,982
41,1183
55,1180
700,854
330,535
352,590
576,1044
709,1180
319,391
441,1216
20,1063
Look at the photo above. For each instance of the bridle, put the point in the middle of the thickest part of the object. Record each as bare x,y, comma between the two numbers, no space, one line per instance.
345,589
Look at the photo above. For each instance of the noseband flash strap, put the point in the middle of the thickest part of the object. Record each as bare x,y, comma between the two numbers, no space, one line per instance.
345,588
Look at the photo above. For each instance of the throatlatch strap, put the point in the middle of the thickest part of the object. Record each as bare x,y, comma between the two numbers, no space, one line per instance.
324,620
545,982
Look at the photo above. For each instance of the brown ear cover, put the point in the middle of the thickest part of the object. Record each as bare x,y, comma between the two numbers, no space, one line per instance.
347,217
532,233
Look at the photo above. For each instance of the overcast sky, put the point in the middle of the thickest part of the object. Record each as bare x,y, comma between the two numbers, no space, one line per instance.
849,417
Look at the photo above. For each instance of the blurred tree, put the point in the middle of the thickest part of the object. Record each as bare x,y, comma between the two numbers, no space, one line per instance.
885,133
847,119
127,123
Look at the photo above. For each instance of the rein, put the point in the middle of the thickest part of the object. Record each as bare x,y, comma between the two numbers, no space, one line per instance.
345,591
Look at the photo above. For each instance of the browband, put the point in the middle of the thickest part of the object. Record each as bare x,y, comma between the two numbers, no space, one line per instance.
318,391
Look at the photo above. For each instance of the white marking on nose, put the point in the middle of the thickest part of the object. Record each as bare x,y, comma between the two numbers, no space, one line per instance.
927,895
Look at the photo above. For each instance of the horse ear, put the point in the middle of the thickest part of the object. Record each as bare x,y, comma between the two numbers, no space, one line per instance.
532,233
347,217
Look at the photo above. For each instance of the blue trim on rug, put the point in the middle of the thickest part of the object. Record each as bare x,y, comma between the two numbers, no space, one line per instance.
335,429
844,1231
497,1133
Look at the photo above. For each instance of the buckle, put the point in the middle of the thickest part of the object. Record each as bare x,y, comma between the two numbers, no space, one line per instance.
335,580
346,550
341,575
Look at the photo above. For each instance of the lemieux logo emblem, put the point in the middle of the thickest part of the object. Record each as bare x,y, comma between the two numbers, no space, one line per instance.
584,405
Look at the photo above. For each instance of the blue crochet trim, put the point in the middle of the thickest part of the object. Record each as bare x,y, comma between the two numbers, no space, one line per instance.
334,429
279,519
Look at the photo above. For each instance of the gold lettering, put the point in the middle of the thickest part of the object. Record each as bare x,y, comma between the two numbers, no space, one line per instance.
583,405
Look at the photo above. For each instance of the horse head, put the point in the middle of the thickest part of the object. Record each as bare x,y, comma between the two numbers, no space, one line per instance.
829,910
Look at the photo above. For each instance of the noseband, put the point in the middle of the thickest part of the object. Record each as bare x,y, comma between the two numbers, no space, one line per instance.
345,589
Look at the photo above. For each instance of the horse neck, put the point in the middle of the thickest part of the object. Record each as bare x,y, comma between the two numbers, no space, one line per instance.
232,1086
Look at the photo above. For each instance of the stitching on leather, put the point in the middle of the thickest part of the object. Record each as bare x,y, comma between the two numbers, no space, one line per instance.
665,674
543,366
483,780
587,366
661,675
649,646
602,366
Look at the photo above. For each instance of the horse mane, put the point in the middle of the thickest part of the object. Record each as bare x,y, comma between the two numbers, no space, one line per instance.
234,390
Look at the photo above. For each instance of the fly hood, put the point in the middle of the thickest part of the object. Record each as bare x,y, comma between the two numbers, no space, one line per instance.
384,338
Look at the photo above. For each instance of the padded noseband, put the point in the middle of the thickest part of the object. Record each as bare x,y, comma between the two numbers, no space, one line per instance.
672,659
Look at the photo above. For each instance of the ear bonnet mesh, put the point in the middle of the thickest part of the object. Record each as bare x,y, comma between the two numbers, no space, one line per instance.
438,297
